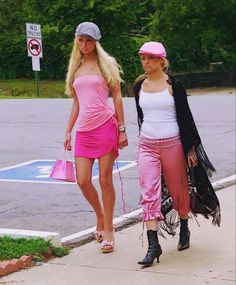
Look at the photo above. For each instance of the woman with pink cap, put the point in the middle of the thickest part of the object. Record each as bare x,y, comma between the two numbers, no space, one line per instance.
92,75
169,145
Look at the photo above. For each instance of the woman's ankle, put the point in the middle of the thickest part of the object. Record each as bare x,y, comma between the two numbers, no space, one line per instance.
183,217
100,224
109,234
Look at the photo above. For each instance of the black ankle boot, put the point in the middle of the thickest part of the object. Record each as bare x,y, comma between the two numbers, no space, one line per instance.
154,249
184,235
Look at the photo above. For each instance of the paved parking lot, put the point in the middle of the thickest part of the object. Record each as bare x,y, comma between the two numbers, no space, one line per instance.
34,130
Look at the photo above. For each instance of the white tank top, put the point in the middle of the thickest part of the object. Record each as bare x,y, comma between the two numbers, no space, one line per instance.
159,115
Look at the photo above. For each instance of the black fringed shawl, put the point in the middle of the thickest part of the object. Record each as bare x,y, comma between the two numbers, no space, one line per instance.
189,137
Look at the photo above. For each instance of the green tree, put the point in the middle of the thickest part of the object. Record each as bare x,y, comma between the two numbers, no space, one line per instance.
116,20
195,32
14,61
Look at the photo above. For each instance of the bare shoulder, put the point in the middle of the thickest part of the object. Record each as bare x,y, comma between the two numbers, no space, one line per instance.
115,88
140,78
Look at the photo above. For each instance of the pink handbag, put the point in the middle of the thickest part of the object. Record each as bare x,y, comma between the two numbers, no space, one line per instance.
63,169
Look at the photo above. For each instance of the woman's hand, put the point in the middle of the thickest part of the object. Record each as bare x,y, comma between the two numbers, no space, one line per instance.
123,141
192,158
67,142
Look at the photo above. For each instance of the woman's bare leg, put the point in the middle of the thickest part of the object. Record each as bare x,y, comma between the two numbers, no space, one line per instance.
151,225
108,193
84,180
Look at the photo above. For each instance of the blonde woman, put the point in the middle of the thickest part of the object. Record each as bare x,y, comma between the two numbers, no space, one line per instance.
92,76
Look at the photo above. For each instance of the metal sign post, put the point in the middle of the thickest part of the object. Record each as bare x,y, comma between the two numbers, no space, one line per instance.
36,68
35,49
37,83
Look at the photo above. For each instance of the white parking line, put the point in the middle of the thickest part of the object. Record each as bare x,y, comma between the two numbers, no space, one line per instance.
44,172
23,164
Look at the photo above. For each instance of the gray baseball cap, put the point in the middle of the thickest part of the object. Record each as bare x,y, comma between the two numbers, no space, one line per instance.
88,29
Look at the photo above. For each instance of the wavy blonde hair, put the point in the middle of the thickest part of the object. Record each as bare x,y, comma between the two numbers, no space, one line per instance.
109,67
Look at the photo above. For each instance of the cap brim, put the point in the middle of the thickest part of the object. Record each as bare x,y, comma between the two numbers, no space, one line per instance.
86,35
150,53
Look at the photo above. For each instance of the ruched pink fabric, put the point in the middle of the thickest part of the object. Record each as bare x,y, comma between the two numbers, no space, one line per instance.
98,142
94,108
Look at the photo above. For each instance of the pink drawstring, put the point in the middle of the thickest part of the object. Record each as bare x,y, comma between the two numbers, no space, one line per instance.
141,236
195,217
115,121
121,189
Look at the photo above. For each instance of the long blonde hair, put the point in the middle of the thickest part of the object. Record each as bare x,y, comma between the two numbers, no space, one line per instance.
109,67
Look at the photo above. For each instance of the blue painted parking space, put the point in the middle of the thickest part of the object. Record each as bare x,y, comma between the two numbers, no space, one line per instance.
38,171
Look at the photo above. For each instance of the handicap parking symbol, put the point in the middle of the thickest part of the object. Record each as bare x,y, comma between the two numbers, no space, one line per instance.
38,171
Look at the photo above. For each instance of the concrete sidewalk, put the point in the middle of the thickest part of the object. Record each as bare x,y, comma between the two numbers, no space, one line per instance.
210,259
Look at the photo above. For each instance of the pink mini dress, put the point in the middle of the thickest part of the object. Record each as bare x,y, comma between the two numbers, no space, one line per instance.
97,126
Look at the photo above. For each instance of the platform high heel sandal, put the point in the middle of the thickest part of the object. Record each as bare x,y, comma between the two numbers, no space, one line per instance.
108,246
99,236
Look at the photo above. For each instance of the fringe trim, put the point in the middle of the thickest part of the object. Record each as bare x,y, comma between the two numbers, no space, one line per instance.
202,156
216,216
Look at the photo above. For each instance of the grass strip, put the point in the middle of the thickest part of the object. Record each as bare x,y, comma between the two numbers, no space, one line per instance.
11,248
26,88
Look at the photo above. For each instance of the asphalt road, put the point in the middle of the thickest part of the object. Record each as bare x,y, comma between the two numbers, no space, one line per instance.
34,129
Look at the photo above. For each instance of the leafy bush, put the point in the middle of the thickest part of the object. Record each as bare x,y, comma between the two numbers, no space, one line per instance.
14,248
193,32
11,248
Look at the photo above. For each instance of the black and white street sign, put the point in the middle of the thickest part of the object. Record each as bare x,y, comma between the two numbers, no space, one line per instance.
33,31
34,44
34,40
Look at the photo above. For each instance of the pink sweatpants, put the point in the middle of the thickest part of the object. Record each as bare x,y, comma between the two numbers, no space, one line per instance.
162,156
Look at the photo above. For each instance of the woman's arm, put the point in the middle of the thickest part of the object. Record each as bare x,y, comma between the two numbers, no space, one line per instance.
188,126
117,99
72,119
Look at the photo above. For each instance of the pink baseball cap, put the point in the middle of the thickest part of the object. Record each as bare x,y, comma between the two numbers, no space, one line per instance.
153,48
